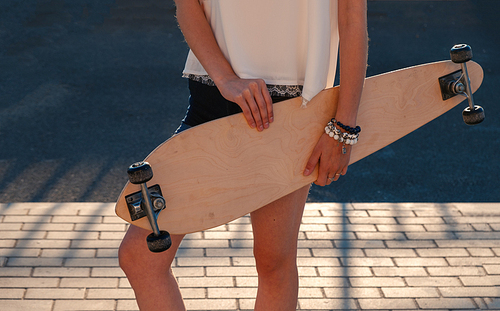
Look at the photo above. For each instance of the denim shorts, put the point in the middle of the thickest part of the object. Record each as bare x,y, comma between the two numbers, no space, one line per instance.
206,104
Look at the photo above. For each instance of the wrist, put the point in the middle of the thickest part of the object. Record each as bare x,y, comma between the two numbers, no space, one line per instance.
346,118
223,78
344,128
344,134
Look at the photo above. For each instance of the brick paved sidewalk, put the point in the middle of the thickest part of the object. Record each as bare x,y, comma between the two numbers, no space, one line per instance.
412,256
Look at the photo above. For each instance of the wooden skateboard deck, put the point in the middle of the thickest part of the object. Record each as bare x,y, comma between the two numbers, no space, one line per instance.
219,171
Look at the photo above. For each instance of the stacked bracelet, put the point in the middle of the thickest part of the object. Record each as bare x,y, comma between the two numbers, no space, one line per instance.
349,137
351,130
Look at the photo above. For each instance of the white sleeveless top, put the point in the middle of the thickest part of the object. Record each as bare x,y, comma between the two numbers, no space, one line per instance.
284,42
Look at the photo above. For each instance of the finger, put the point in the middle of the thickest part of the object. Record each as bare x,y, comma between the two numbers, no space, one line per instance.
257,95
312,162
262,105
344,171
337,176
322,179
254,109
268,101
332,178
246,111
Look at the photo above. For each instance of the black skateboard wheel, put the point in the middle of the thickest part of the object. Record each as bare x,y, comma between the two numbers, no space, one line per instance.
472,117
140,172
461,53
159,243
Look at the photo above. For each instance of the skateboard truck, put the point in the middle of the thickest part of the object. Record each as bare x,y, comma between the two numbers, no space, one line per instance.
458,83
146,203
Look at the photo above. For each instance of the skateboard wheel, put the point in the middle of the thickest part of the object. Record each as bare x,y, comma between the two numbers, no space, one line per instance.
159,243
461,53
140,172
472,117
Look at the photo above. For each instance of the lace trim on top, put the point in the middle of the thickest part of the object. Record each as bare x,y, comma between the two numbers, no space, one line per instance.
200,78
274,90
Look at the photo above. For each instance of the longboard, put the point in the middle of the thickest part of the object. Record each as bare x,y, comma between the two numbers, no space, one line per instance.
219,171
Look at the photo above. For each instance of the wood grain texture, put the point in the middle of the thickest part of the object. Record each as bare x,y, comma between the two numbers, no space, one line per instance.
221,170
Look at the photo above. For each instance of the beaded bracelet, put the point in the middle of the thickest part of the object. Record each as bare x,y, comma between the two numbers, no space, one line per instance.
349,137
351,130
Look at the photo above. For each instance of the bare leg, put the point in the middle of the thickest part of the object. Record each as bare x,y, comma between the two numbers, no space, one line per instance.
276,228
150,274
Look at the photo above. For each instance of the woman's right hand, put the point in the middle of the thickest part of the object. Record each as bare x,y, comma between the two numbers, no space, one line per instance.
253,98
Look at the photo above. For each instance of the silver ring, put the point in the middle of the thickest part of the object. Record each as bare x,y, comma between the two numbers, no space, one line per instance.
331,178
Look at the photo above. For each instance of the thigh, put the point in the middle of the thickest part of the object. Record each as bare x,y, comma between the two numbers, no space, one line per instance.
276,225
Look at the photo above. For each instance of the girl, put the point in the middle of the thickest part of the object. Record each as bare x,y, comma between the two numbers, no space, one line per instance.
245,55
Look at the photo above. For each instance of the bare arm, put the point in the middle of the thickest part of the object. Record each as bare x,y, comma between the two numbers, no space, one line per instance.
250,94
353,58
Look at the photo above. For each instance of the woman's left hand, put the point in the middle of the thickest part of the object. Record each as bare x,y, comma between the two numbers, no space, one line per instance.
332,162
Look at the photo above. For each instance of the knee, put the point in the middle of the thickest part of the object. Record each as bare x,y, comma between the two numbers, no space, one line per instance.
275,263
128,257
124,253
135,258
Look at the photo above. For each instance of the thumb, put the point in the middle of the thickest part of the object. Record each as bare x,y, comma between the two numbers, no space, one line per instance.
312,162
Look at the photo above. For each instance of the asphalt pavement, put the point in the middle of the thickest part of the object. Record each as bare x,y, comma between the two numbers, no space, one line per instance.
88,87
